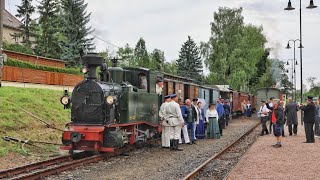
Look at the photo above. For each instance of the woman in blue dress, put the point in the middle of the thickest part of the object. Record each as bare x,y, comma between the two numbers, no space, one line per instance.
200,131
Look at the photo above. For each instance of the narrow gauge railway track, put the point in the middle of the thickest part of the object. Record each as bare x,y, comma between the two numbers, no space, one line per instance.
45,168
194,173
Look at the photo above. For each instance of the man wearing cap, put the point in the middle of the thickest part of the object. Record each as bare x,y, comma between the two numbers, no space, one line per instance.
308,119
176,121
165,135
292,117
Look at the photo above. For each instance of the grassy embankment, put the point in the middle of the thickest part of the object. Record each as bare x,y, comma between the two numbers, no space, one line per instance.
16,123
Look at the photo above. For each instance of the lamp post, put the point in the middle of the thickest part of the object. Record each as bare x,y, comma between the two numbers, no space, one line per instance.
289,8
294,62
293,71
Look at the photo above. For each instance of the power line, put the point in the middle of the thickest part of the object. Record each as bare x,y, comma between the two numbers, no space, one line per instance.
106,41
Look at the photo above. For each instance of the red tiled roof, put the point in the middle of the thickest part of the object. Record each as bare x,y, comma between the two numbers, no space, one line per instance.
10,20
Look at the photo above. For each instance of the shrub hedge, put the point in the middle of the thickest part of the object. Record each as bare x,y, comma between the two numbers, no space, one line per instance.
21,64
17,48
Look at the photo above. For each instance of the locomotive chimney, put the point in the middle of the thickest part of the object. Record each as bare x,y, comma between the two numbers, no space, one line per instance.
92,61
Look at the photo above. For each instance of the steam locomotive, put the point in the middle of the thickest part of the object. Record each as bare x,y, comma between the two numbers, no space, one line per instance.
117,107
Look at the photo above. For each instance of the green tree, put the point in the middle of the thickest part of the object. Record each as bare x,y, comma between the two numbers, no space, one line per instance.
25,10
189,63
170,67
226,30
157,60
47,39
75,30
126,54
235,52
141,54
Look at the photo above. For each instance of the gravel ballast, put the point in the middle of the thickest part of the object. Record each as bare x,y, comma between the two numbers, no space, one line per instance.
158,163
220,167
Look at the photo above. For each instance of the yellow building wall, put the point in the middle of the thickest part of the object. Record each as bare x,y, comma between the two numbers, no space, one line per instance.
10,39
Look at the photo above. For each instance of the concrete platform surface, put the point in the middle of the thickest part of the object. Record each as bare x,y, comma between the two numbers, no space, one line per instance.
294,160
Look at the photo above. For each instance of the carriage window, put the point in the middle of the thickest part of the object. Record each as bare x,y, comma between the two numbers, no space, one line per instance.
143,83
204,94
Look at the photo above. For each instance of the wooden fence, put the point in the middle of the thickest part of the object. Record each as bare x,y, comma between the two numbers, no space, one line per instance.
25,75
35,59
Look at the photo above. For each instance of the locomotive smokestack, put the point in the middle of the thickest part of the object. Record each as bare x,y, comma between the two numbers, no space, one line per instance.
92,61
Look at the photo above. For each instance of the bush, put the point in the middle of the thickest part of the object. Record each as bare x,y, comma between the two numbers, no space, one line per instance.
21,64
18,48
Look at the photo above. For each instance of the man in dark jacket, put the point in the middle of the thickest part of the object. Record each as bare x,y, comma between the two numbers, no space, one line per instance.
292,117
308,119
277,121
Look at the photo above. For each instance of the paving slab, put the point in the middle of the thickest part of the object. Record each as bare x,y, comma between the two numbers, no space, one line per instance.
294,160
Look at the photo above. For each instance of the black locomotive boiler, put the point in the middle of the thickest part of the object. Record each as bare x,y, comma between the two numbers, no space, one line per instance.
116,107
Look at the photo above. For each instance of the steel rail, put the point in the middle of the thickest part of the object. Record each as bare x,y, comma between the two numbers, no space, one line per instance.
38,165
30,167
199,168
63,167
53,166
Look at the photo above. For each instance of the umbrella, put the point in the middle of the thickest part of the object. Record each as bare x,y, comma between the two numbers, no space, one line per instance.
203,102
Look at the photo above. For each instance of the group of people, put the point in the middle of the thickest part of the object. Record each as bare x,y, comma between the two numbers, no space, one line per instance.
278,114
188,118
246,109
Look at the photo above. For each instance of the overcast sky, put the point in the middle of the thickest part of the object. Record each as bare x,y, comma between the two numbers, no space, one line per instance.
165,24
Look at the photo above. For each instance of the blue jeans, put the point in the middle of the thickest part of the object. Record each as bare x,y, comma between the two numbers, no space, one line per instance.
190,126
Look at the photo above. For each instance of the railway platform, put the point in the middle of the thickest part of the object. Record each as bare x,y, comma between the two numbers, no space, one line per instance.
294,160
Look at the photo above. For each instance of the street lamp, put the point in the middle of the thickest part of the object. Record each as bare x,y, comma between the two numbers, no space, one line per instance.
289,7
293,72
295,62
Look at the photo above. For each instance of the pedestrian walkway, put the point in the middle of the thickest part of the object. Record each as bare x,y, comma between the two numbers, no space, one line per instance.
294,160
40,86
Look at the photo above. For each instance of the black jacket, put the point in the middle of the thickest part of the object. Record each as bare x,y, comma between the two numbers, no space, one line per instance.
194,113
278,112
309,113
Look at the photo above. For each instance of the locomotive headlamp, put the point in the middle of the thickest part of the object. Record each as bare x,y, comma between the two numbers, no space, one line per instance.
85,70
109,99
64,100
